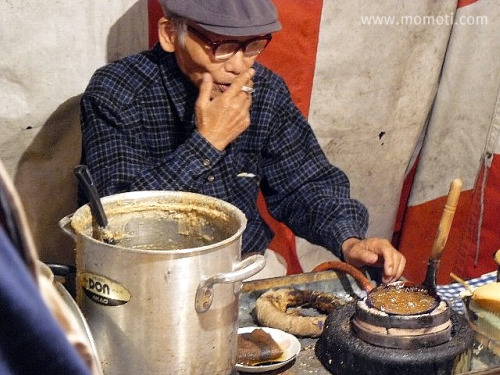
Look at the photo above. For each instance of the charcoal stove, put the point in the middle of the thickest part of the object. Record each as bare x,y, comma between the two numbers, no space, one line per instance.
410,331
422,335
357,341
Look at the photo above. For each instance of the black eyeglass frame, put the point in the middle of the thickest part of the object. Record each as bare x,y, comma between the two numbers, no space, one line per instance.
214,44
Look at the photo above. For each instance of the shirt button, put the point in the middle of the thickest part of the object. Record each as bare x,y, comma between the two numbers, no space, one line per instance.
210,178
207,163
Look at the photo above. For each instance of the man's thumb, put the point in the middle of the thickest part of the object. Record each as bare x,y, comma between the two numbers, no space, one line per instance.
369,257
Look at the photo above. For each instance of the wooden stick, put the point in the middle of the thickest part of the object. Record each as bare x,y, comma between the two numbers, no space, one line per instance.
446,219
464,283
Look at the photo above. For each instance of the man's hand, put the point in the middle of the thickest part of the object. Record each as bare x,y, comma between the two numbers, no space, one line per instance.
376,252
221,119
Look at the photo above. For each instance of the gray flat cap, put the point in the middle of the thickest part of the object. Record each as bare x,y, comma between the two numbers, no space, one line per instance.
228,17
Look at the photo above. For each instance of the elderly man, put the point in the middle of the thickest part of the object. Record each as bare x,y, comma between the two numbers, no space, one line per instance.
198,113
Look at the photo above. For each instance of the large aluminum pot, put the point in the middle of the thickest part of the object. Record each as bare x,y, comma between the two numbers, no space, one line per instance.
164,300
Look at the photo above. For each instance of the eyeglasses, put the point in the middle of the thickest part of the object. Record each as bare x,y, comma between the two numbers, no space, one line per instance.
225,49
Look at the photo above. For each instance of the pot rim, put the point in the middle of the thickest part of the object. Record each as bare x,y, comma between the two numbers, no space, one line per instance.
84,211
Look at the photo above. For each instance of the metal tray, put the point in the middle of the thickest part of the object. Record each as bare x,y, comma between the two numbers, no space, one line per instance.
336,283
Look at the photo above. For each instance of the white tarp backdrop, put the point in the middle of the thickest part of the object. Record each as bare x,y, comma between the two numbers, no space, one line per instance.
462,141
374,86
377,73
464,112
49,52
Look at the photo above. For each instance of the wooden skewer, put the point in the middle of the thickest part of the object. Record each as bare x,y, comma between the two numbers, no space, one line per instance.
464,283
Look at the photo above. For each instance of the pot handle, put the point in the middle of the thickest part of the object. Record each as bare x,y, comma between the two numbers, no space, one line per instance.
65,225
243,270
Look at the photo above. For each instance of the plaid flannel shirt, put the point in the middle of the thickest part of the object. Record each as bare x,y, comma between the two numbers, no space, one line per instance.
139,133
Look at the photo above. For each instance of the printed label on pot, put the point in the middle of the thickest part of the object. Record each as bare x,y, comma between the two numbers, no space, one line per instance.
103,290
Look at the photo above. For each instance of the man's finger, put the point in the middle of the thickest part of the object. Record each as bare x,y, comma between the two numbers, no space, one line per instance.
243,80
394,264
206,87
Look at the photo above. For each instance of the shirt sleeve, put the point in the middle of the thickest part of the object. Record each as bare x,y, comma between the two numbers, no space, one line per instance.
302,188
119,159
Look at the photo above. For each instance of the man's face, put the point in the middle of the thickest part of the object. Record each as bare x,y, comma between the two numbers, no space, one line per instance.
196,58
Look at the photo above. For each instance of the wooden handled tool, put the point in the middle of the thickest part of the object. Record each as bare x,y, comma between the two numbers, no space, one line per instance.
442,234
446,219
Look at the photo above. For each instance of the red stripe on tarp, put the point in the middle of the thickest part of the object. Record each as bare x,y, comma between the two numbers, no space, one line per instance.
154,14
403,203
490,228
291,54
459,255
464,3
419,232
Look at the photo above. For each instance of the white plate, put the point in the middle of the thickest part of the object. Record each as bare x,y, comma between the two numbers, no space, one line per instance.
287,342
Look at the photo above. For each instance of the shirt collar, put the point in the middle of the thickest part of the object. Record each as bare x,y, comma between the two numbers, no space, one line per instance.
178,87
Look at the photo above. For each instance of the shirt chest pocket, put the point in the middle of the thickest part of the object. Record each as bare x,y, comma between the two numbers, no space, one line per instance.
246,166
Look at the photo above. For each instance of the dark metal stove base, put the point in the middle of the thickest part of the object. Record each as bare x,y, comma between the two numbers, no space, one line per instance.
343,353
